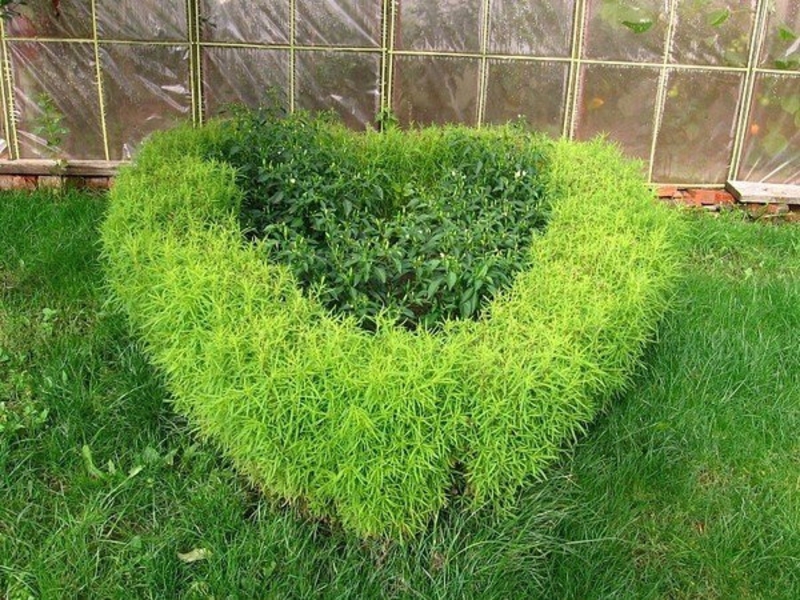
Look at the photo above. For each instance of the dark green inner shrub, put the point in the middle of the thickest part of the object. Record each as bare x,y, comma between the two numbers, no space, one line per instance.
420,226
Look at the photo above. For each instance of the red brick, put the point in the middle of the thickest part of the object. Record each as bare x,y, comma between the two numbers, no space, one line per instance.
18,182
667,191
777,209
703,197
724,197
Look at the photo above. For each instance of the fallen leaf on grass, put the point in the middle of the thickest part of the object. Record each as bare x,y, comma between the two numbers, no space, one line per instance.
700,527
195,555
88,462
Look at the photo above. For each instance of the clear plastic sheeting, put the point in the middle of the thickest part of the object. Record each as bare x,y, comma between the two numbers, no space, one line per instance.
439,25
781,49
510,95
696,136
146,88
157,20
345,82
49,19
57,106
713,32
626,30
704,90
531,28
618,101
351,23
772,142
245,21
249,76
436,89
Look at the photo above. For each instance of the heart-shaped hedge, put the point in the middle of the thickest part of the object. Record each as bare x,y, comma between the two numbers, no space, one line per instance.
372,428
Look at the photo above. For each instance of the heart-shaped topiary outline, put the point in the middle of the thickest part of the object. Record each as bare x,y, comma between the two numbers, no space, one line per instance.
370,428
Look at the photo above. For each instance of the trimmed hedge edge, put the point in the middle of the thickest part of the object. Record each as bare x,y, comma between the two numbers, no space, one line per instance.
372,428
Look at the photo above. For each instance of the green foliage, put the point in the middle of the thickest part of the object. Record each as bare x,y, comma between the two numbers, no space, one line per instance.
8,8
631,15
717,17
649,505
374,429
425,225
642,26
20,410
49,124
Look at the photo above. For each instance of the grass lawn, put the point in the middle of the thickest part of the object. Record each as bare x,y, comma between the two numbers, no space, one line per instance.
689,487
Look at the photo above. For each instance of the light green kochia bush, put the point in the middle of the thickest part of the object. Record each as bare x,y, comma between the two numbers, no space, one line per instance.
374,428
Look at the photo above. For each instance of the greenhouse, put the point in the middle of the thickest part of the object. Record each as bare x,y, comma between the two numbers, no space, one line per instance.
701,90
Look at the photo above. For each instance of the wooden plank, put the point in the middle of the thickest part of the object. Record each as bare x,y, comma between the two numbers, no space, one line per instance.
764,193
74,168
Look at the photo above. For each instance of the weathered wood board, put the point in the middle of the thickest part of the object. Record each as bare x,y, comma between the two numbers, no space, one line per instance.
764,193
78,168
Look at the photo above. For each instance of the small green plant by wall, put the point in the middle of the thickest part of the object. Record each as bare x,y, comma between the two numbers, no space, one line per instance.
49,124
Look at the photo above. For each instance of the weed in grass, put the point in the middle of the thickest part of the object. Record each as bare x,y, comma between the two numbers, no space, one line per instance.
49,124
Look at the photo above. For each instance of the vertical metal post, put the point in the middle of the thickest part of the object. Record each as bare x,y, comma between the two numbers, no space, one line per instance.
746,95
99,81
661,90
483,81
7,88
571,98
384,73
292,52
390,52
195,60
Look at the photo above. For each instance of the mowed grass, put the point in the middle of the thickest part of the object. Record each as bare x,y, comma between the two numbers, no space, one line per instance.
689,487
